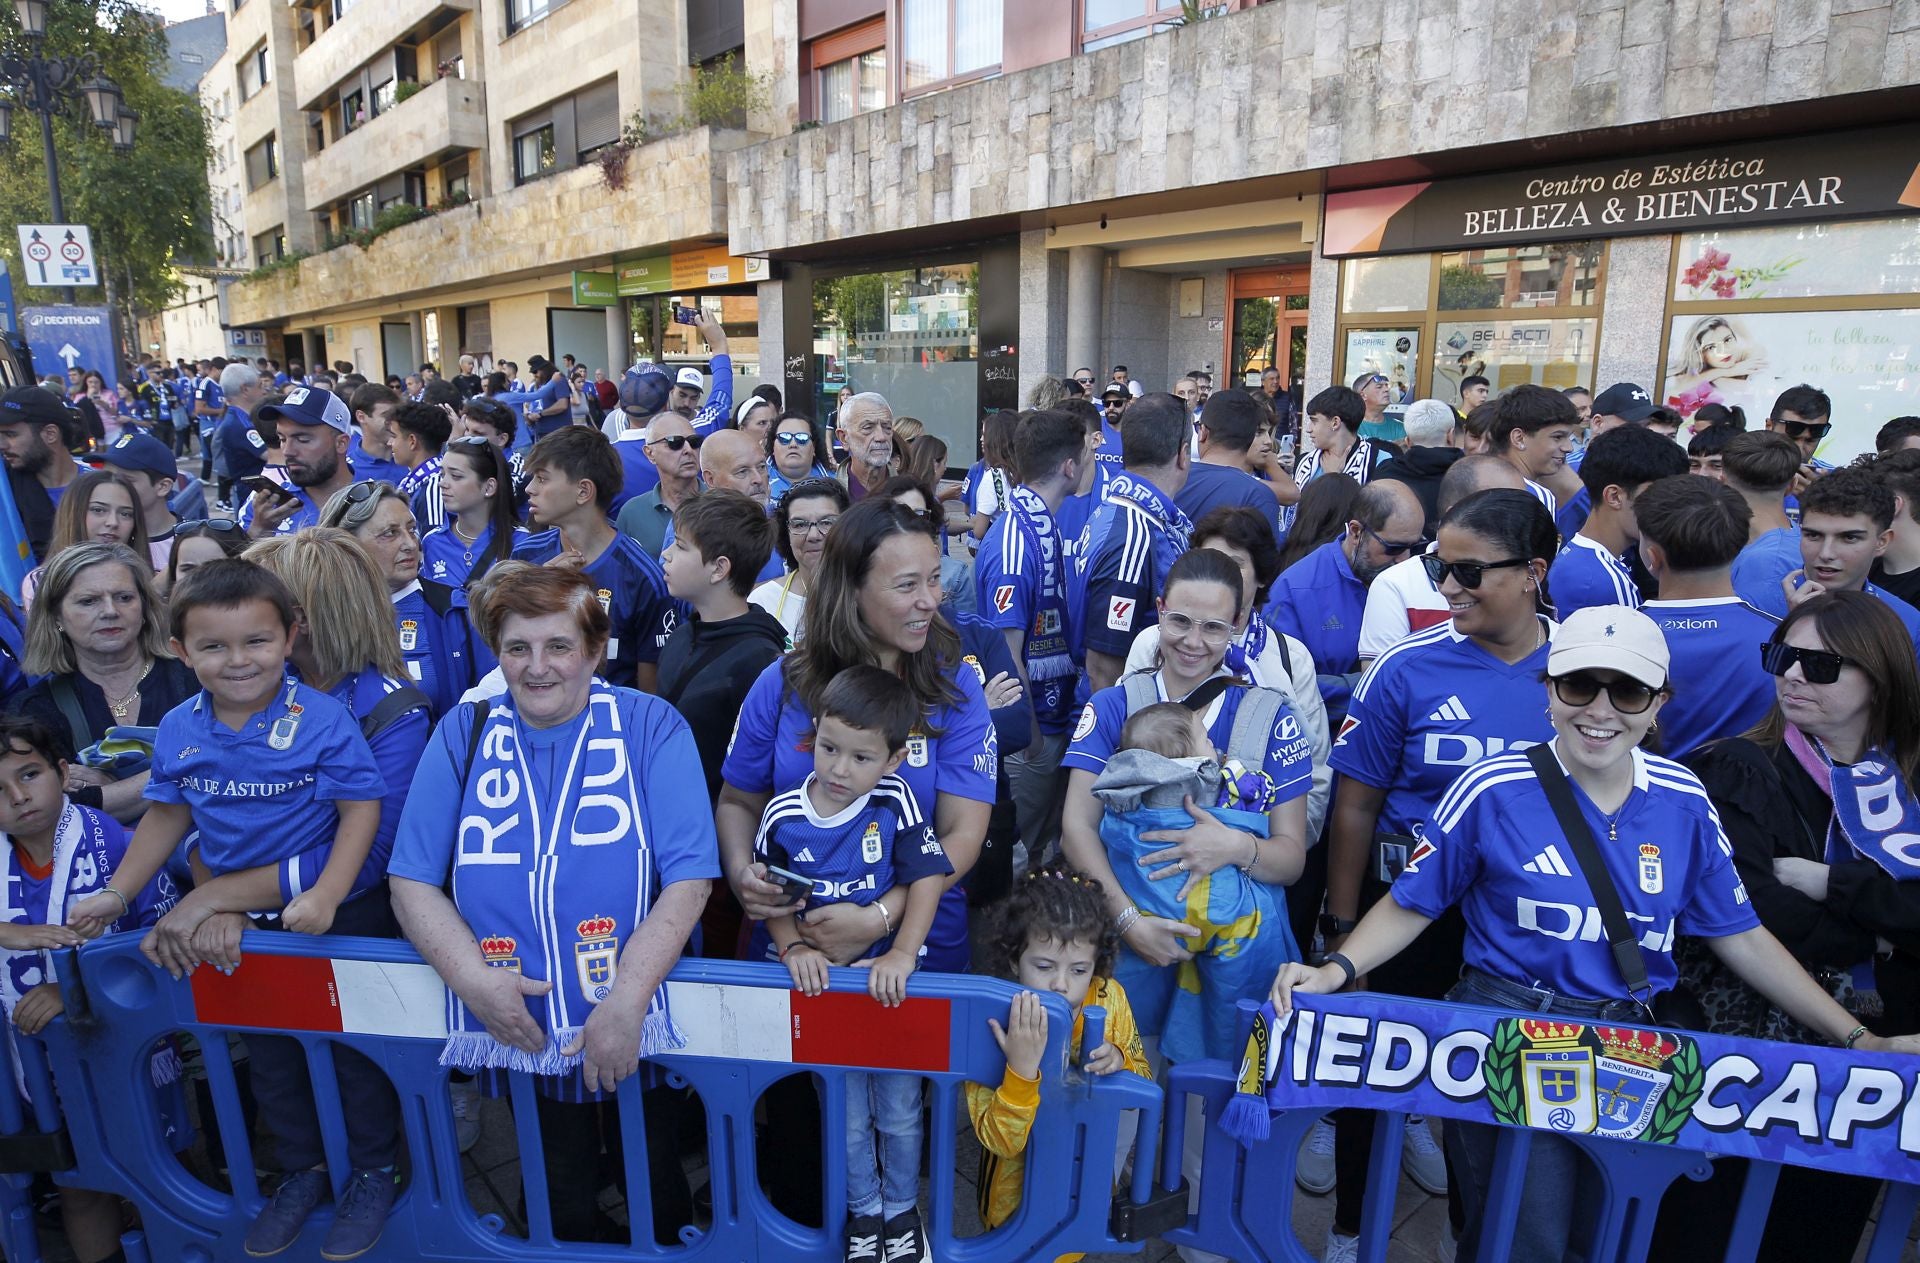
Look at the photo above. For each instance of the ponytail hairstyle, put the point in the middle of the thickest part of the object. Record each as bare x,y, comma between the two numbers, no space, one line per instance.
1515,523
1061,904
486,460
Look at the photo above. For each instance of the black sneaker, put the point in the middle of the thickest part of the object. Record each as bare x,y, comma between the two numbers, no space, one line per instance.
906,1240
863,1239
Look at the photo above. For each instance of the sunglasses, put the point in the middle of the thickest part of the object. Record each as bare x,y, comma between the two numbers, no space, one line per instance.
1806,429
791,439
217,525
361,492
1628,696
1468,573
1375,380
470,440
1819,666
674,442
1394,547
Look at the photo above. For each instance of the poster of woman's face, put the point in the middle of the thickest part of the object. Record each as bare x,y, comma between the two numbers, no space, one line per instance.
1867,361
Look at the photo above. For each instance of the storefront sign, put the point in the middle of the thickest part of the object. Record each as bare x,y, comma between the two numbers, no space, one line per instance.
1794,180
1841,1111
651,275
593,289
697,269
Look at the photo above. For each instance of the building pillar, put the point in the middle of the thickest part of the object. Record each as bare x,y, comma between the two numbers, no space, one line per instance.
1323,301
1638,273
773,340
619,346
1086,276
1043,293
417,339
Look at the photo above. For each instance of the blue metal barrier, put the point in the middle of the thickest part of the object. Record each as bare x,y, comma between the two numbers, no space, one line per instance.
747,1029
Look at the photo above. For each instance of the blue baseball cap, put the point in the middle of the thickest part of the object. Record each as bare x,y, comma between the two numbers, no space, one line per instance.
644,389
142,451
310,405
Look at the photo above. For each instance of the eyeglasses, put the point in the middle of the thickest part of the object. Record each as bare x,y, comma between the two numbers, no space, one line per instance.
1395,547
1212,630
674,442
789,438
1469,573
1628,696
218,525
1819,666
1806,429
804,526
361,492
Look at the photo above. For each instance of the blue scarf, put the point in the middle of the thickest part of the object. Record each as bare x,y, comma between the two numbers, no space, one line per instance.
1245,649
1048,657
1874,812
553,890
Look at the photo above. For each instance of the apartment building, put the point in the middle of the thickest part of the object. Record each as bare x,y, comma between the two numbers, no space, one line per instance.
945,199
461,188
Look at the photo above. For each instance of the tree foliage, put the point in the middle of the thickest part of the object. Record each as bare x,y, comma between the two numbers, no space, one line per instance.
148,210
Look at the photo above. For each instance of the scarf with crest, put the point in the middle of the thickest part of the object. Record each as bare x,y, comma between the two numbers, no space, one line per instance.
1048,657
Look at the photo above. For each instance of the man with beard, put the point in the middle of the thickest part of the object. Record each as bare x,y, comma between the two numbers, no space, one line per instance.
33,441
865,427
313,426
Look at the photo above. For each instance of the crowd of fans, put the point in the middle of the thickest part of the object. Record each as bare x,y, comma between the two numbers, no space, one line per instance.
1175,699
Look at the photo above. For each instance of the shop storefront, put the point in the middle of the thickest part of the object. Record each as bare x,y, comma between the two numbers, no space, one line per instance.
652,288
1792,260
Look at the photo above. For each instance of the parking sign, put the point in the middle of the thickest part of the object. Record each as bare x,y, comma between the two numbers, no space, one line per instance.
58,254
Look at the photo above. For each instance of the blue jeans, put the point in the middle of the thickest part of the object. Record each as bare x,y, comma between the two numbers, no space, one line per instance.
883,1174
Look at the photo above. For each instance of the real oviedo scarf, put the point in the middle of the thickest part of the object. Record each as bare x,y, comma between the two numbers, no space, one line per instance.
1048,657
1874,811
553,889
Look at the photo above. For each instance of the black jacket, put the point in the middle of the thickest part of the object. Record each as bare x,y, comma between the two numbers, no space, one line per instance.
706,670
1422,468
36,508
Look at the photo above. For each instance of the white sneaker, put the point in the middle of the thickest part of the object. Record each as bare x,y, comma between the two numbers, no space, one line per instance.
1340,1249
466,1119
1314,1170
1421,1158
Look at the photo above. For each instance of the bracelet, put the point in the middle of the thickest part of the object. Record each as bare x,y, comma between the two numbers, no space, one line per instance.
1246,869
799,942
1346,966
125,907
1125,920
1853,1036
885,920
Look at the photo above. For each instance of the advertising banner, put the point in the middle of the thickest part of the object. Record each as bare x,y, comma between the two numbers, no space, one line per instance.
1840,175
1827,1107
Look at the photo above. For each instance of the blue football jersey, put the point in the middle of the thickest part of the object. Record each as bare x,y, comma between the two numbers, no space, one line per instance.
1020,576
1719,689
1586,574
1433,704
633,591
1120,566
1493,847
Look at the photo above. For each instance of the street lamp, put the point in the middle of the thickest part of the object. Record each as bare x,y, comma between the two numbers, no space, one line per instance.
47,86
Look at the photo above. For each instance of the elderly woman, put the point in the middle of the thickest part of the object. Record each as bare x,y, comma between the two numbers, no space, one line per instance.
98,634
801,523
573,894
434,635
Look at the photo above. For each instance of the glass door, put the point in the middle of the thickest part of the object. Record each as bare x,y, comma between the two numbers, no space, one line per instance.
1267,332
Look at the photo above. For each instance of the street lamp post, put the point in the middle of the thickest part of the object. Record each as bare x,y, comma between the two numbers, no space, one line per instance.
46,85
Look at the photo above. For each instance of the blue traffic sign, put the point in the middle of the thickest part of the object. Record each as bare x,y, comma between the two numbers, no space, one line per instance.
60,338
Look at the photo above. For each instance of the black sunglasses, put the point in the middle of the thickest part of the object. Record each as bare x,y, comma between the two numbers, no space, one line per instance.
674,442
1806,429
470,440
1626,695
1469,573
218,525
1819,666
1394,547
361,492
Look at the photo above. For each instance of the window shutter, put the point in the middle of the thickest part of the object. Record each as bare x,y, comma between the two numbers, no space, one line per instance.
597,115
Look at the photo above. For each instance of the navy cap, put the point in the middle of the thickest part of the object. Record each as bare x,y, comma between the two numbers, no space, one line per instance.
1626,401
33,405
138,450
644,389
309,405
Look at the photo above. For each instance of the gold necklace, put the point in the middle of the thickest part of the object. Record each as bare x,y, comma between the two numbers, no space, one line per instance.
125,704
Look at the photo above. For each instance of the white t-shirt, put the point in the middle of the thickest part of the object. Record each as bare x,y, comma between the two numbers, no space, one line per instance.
1401,600
776,598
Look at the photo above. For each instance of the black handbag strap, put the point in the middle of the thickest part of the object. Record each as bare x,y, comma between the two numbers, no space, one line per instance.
1207,693
1606,896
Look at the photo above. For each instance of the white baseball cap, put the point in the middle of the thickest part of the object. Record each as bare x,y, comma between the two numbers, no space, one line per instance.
691,377
1610,638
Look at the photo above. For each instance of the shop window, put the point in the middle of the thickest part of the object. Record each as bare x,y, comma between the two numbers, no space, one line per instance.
1107,22
533,154
853,85
1393,283
1556,353
1867,258
1564,274
913,335
944,40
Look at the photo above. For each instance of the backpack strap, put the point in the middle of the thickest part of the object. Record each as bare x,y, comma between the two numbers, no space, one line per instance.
438,596
389,710
1252,724
1142,692
68,700
480,710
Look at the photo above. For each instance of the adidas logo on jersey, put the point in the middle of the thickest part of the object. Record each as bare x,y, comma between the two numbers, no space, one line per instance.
805,856
1451,711
1548,862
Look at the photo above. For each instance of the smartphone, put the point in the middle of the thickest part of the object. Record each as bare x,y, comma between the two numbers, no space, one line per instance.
278,493
685,315
796,886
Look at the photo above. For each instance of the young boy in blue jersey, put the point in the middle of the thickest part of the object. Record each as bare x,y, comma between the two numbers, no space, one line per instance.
58,852
1705,452
1592,567
854,830
574,474
256,746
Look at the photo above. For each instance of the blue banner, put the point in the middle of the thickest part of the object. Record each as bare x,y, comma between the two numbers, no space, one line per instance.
1854,1112
60,338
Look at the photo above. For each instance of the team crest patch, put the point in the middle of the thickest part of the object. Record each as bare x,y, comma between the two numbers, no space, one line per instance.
917,749
606,600
974,662
1120,613
498,950
595,956
1574,1077
1085,726
409,635
1652,880
870,844
1048,624
1003,597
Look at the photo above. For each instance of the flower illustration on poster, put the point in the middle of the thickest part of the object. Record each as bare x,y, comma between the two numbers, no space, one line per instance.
1712,275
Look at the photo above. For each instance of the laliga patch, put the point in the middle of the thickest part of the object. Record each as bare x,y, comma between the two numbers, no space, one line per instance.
1120,613
1003,597
870,844
1422,849
1085,726
1347,725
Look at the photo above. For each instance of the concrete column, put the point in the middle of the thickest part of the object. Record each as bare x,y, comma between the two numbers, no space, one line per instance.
1323,301
619,350
773,338
1043,294
417,338
1086,276
1633,329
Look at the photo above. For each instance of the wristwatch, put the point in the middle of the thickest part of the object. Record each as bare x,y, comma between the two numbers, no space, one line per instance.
1331,925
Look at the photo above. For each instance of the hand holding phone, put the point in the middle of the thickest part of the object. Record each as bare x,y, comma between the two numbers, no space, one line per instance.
685,315
275,492
796,887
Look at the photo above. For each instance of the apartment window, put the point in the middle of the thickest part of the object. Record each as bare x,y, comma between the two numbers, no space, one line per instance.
1107,22
255,72
448,62
534,154
525,12
383,98
596,118
237,4
271,244
360,211
342,7
947,39
316,132
353,111
855,85
263,164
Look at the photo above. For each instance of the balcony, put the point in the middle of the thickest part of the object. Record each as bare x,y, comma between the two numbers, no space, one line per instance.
675,192
369,27
446,115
